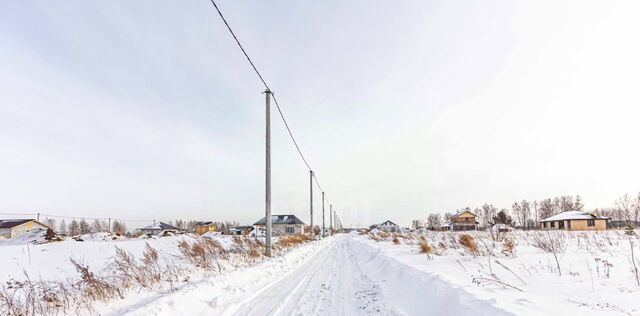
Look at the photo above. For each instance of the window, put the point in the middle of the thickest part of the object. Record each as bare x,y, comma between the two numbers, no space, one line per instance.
561,225
553,224
591,222
290,230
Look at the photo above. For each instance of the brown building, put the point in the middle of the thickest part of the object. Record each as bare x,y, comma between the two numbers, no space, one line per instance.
205,227
462,221
575,220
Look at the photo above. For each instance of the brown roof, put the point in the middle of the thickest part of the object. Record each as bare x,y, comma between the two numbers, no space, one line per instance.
10,223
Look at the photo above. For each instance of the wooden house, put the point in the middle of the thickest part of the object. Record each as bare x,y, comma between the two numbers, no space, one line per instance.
462,221
575,220
205,227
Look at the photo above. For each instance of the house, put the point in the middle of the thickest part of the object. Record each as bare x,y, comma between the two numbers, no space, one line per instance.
159,229
389,227
205,227
575,220
462,221
280,225
240,230
11,228
500,228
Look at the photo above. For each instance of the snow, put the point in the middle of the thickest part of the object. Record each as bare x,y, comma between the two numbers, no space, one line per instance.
353,274
32,236
583,288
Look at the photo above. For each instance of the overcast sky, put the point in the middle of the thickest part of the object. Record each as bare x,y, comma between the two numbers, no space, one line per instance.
147,109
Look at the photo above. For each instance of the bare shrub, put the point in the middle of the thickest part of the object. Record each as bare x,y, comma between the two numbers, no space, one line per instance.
509,247
203,253
469,244
551,244
425,247
395,240
93,286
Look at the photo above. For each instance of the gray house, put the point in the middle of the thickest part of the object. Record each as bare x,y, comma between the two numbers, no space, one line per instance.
280,225
159,229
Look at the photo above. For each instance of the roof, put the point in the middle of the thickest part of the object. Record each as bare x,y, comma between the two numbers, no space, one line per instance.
10,223
569,215
281,220
462,212
241,227
389,223
160,226
203,223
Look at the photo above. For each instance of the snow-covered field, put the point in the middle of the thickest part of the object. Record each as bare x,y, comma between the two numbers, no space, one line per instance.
596,277
356,275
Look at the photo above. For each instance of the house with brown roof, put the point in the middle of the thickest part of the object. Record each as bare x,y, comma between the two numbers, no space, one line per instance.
462,221
11,228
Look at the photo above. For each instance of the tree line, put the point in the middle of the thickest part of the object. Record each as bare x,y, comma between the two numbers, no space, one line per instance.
81,226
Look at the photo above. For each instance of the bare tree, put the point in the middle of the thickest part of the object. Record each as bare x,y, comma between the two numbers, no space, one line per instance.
578,205
433,221
50,222
84,227
119,227
625,206
546,208
447,217
98,226
74,228
488,212
516,210
63,227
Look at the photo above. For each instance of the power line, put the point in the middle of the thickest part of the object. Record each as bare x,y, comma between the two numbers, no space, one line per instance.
286,124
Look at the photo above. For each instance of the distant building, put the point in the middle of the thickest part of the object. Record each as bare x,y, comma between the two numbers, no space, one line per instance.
280,225
575,220
159,229
461,221
240,230
205,227
11,228
389,227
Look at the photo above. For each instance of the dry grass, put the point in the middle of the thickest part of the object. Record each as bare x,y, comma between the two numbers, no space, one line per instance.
469,244
289,241
509,247
125,273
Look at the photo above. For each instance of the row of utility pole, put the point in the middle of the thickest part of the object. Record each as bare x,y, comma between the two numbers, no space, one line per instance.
268,224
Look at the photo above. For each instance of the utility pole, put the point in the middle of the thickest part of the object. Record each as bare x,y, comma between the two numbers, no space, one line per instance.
38,218
311,201
267,200
109,224
331,218
323,229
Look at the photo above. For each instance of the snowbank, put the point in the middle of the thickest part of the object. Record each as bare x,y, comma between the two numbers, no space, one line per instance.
414,292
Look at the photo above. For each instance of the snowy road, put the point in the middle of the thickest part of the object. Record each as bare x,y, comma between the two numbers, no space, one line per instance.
340,275
329,283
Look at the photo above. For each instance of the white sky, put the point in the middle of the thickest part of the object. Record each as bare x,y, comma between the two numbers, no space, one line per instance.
147,109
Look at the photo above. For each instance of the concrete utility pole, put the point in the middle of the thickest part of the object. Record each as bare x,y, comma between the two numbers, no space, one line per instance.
267,200
331,218
311,201
323,229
